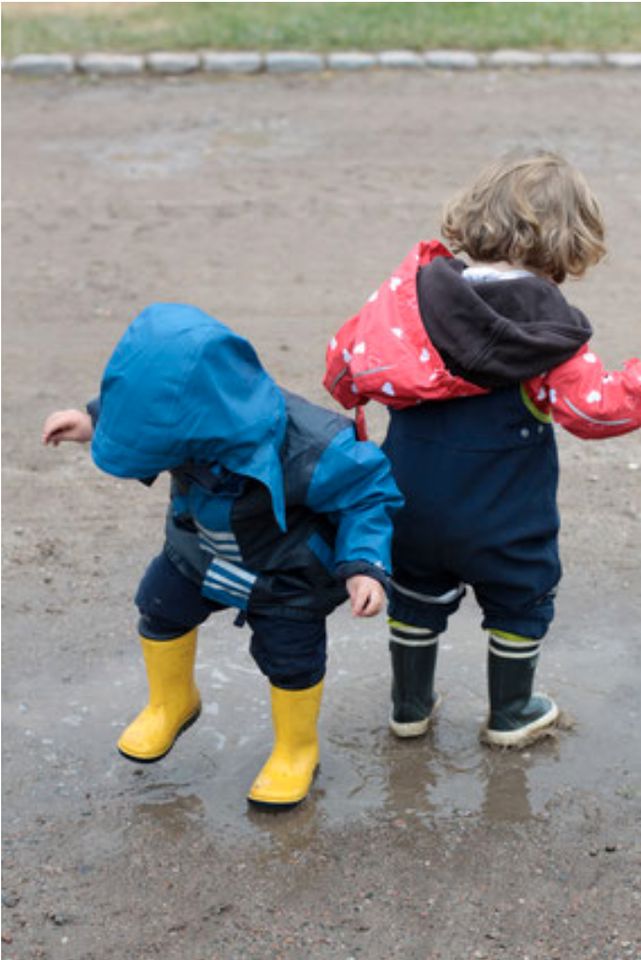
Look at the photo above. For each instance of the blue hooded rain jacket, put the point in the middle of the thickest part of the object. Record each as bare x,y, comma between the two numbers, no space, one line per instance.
274,502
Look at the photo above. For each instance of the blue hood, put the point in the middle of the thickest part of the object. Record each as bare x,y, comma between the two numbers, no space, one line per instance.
179,387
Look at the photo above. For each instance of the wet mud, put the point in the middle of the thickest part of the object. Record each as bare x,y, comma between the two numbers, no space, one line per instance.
278,205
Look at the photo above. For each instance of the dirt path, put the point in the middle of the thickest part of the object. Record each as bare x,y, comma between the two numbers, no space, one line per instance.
278,205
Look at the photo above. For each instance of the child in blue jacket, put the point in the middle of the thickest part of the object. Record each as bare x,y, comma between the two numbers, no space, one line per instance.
276,510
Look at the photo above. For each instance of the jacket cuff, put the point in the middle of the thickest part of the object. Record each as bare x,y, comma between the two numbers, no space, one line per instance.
354,567
93,409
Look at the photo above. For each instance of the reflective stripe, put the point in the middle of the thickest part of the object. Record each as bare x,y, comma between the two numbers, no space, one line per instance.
219,543
532,407
229,553
408,628
337,379
513,640
216,580
234,572
507,655
407,635
585,416
406,642
216,536
365,373
448,597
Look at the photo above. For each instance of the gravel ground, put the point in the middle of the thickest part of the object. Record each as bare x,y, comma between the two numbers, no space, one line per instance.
278,204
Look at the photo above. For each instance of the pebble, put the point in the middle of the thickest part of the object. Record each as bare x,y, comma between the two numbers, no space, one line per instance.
59,919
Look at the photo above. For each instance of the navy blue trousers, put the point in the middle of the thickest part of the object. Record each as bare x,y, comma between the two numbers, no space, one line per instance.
291,653
479,476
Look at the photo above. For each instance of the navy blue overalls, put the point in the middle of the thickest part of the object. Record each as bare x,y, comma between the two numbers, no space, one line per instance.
479,476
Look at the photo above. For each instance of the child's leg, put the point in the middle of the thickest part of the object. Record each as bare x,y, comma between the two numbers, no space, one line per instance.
292,654
517,716
417,618
517,620
171,609
413,656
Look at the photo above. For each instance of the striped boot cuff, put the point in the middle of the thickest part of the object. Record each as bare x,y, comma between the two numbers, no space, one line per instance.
408,636
511,646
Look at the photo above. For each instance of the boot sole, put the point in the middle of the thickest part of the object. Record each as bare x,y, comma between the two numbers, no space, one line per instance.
524,736
277,806
186,725
415,728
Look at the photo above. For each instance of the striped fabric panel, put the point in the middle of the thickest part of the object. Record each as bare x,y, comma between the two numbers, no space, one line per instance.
219,543
228,583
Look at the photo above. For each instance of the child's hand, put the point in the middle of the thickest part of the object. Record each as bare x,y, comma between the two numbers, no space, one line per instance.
366,595
67,425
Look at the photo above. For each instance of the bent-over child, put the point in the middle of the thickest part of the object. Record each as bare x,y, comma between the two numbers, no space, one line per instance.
276,509
475,358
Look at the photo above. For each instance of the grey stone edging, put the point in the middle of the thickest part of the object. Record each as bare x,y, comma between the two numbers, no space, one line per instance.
168,63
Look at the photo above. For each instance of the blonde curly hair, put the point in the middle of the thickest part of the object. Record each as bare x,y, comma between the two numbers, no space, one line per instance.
533,210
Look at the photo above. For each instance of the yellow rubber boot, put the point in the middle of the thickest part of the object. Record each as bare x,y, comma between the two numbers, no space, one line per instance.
287,776
174,701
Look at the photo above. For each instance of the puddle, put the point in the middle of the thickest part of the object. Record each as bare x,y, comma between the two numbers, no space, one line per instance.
589,666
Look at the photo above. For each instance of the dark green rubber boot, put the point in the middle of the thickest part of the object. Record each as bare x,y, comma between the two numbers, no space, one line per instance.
413,652
517,717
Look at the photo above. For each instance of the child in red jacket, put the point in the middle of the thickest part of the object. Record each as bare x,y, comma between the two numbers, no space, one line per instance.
475,358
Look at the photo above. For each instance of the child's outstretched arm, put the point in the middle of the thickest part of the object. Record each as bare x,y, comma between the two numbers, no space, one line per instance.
67,425
588,400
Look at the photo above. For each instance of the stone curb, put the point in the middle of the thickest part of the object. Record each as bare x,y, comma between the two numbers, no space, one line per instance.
172,64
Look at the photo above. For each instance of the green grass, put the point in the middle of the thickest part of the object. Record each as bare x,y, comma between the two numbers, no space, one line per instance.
79,27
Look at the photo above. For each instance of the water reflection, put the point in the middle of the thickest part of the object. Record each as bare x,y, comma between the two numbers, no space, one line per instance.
168,810
292,834
506,795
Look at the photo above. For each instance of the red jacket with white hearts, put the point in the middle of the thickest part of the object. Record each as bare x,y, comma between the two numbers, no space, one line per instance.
385,353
